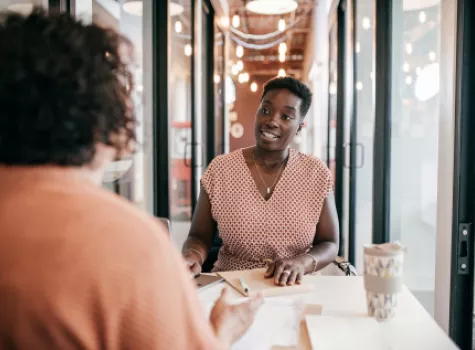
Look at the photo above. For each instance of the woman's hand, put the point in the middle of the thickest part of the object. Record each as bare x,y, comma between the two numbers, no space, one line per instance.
193,262
289,272
230,322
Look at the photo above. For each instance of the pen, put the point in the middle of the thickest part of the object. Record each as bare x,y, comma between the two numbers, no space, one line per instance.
244,285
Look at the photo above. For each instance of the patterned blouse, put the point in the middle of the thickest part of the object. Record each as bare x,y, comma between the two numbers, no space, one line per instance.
254,229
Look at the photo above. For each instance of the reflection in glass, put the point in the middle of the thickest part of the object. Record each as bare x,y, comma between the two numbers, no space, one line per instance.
415,110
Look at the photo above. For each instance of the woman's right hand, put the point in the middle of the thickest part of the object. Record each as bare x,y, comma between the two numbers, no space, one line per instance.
231,321
193,262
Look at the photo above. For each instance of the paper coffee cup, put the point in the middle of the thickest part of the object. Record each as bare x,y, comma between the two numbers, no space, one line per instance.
383,278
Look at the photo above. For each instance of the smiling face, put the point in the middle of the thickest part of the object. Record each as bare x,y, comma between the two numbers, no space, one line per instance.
278,120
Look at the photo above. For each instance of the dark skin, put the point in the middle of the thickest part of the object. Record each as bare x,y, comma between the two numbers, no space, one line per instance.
278,120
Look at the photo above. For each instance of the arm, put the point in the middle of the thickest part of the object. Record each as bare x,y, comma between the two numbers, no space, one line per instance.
323,252
196,247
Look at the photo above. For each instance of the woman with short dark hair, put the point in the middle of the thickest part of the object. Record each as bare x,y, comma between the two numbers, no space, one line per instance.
268,202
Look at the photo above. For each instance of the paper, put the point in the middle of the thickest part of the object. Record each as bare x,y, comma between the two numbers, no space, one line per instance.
344,332
276,323
258,283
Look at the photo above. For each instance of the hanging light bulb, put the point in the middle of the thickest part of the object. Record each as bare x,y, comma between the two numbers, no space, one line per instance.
236,21
357,47
281,72
239,51
253,87
282,57
409,48
217,78
282,48
422,17
359,85
282,25
240,65
432,56
406,67
366,23
235,69
246,77
408,80
178,27
188,50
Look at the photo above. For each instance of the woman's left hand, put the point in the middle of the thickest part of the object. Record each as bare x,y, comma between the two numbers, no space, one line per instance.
288,272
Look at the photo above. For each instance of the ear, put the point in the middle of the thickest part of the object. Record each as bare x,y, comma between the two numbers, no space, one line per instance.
299,128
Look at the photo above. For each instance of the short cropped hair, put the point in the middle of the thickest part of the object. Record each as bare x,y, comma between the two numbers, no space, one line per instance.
296,87
63,89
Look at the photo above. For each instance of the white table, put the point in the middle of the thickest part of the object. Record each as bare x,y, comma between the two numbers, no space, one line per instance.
412,328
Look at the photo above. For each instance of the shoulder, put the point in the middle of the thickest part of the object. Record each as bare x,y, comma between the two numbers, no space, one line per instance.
226,161
309,162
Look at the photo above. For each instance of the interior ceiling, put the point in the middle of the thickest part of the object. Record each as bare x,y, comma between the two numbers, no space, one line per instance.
266,62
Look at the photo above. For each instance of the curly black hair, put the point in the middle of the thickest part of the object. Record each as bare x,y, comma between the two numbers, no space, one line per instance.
63,89
295,86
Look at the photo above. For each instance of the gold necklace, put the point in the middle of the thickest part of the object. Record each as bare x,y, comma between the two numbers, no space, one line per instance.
268,189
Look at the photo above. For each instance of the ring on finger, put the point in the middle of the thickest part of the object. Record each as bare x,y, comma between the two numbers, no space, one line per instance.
287,272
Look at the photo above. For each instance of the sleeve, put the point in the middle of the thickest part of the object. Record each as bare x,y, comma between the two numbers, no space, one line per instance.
208,179
162,309
325,179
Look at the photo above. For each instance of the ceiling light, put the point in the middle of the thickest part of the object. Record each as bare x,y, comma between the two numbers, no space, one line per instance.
282,25
239,51
178,27
282,48
22,8
359,85
240,65
432,56
332,88
357,47
406,67
281,72
366,23
422,17
217,78
175,9
188,50
282,57
409,48
246,77
253,87
408,80
236,21
271,7
135,7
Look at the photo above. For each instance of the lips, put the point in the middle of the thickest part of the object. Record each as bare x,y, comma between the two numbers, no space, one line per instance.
268,135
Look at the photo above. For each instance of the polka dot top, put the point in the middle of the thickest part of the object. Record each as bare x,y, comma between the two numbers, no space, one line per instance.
254,229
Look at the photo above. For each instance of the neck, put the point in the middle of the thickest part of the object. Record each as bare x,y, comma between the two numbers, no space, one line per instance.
270,158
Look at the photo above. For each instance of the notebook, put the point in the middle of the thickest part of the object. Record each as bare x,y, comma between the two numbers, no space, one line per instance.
257,283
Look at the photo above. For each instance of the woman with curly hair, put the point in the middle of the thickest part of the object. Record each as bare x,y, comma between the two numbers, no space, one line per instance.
81,268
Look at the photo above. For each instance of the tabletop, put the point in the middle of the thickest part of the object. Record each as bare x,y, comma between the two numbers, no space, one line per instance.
343,298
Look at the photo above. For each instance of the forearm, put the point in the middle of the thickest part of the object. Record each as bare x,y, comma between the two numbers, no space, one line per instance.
323,253
196,244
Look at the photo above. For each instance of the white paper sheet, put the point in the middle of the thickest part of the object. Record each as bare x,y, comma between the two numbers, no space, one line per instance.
276,323
344,332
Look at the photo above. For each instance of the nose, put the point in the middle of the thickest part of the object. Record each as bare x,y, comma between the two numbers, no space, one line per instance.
271,121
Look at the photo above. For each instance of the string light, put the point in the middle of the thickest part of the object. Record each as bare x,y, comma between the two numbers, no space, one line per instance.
408,80
178,27
357,47
406,67
366,23
282,48
422,17
217,78
409,48
240,65
235,69
239,51
188,50
359,85
281,72
236,21
282,25
432,56
282,57
253,87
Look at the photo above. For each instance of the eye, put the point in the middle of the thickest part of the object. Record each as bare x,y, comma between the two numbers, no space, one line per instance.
287,117
264,111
